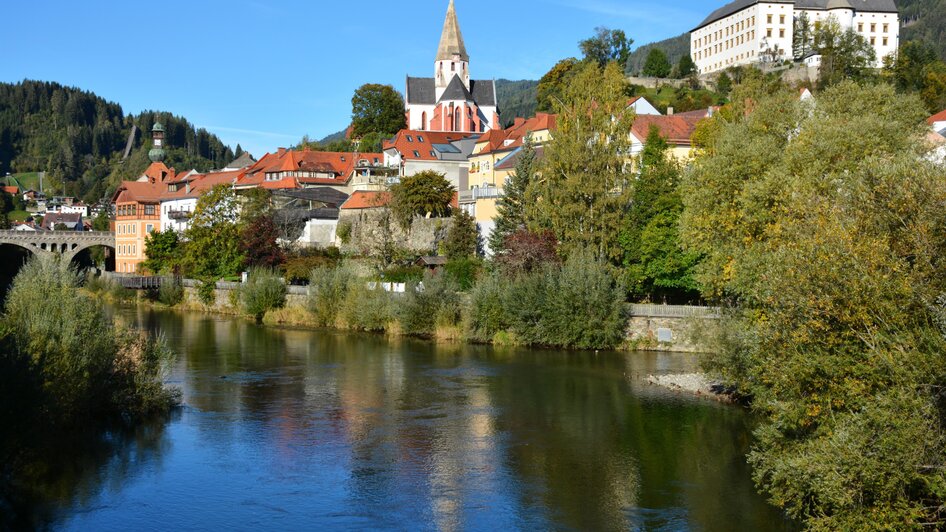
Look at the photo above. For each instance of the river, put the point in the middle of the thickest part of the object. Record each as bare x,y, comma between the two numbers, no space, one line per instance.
300,429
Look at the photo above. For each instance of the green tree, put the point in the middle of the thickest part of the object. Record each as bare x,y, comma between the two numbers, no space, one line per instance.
162,249
656,267
845,54
263,291
550,87
583,189
102,221
463,238
907,66
607,45
933,93
686,66
802,37
426,193
723,83
832,249
657,65
510,207
212,250
377,109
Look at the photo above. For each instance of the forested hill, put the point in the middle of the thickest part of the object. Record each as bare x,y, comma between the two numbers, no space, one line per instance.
674,47
925,20
79,139
516,99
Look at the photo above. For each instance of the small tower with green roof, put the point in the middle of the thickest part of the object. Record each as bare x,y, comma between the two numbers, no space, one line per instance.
157,136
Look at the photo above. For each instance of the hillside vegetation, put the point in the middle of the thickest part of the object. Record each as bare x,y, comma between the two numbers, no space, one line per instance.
79,139
516,99
674,47
925,20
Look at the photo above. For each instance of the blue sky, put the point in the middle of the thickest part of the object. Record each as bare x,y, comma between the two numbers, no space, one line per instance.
263,73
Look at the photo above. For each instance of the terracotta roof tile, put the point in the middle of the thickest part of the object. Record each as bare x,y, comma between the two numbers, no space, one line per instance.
674,129
938,117
408,141
341,165
363,199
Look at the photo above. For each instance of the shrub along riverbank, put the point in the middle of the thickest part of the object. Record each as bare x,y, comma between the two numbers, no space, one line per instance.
66,370
574,304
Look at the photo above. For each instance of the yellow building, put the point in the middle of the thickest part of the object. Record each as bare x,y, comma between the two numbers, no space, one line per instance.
494,160
138,214
676,130
138,208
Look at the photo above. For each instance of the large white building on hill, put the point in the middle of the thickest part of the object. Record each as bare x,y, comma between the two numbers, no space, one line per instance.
745,32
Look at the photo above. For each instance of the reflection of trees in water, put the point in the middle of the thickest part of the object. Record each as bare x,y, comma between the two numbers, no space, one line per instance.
61,473
455,435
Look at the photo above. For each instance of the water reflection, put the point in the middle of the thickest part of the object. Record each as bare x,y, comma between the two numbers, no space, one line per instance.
302,429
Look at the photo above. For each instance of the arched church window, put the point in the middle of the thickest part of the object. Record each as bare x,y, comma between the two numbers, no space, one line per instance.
423,121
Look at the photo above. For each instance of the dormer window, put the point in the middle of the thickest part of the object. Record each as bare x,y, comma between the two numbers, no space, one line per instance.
416,153
420,138
410,138
343,158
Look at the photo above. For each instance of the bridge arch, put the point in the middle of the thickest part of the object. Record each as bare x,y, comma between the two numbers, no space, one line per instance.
12,258
85,255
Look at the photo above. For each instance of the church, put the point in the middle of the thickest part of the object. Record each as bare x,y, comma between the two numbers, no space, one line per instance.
451,101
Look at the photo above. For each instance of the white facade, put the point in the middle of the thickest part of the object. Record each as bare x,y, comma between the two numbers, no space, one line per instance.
640,106
763,31
70,209
176,213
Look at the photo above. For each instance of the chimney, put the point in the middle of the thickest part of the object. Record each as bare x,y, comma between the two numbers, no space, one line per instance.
281,151
670,111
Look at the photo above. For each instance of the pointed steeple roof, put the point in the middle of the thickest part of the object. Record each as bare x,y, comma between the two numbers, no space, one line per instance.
451,40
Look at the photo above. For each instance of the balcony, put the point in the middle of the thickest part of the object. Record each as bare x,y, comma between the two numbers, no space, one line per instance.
478,193
179,215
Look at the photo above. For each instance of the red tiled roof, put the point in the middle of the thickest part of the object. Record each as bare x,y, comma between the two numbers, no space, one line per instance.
11,190
674,129
513,137
286,183
362,199
339,164
407,141
138,191
938,117
158,172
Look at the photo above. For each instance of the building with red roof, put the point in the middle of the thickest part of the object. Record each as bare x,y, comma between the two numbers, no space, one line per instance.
676,130
290,169
412,152
938,122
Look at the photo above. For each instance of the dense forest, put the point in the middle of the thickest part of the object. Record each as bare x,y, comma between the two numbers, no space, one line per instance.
924,20
516,99
674,47
79,139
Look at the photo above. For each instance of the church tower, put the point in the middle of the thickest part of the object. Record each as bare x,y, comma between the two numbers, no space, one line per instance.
157,136
452,59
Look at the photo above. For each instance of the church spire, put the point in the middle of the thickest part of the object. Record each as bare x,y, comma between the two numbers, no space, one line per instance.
451,41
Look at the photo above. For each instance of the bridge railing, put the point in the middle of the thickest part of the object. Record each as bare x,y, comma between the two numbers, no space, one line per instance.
56,234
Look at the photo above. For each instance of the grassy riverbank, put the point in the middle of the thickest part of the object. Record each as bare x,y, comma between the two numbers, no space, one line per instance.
573,305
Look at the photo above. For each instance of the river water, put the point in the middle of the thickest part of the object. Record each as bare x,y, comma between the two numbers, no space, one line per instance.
299,429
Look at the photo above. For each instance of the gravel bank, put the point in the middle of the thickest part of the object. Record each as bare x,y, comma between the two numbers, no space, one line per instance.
692,383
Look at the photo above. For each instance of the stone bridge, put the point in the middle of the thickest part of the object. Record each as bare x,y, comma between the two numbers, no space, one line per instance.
65,243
